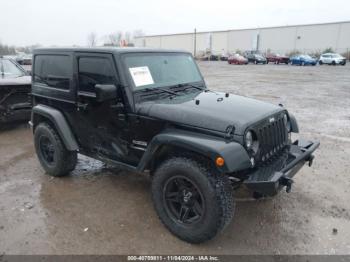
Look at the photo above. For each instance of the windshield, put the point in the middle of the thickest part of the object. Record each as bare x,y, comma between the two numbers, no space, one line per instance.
306,56
8,69
154,70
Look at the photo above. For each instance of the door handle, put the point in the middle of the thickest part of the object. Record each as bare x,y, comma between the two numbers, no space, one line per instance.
82,106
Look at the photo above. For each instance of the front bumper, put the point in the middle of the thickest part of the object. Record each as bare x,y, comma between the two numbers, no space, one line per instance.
270,178
341,61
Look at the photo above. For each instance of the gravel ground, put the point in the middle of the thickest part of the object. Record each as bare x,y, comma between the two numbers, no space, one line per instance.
98,210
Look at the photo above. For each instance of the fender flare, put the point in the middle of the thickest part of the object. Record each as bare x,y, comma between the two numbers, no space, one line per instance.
235,156
60,123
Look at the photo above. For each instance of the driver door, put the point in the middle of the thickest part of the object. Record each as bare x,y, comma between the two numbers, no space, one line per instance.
99,125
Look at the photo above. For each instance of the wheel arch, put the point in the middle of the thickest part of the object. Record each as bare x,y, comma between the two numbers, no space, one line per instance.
166,151
178,142
42,113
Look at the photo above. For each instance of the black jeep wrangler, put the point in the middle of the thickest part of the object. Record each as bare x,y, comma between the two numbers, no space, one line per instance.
149,110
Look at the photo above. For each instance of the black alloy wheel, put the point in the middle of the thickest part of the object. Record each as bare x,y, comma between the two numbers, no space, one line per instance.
51,151
191,199
183,200
47,149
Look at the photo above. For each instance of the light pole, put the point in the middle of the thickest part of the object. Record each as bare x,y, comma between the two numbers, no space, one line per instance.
195,43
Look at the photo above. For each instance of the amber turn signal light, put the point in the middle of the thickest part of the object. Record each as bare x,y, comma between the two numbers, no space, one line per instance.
219,161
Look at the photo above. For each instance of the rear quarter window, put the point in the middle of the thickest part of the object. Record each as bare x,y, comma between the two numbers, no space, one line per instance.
53,70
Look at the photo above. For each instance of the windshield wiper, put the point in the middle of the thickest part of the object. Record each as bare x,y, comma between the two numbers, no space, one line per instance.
186,86
158,89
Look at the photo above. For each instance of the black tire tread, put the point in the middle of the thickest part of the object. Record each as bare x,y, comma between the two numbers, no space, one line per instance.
223,193
69,158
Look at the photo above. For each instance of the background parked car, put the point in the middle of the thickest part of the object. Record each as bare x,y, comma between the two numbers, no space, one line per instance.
277,59
237,59
332,59
303,60
24,59
27,60
209,58
224,57
15,86
256,59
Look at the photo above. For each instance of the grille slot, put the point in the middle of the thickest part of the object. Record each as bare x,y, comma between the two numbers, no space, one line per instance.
273,137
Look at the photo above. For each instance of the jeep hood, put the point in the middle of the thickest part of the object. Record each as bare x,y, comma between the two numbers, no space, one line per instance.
209,110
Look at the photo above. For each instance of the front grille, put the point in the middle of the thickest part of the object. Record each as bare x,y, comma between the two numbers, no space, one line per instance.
272,137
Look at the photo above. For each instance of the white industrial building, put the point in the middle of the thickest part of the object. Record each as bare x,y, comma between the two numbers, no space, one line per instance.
311,38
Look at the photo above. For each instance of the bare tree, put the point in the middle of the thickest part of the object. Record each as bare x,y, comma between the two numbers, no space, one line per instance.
121,38
92,39
114,38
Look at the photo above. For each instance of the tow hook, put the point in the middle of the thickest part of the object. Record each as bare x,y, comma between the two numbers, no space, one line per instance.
286,181
311,160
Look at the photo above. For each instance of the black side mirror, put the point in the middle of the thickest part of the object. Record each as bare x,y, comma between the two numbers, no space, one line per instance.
105,92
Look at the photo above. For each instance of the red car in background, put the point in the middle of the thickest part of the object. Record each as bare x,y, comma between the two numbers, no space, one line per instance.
237,59
277,59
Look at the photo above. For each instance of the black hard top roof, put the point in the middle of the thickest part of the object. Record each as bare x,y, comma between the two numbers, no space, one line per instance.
116,50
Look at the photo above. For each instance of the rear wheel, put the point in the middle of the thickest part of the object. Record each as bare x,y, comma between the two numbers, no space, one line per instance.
52,154
320,62
333,63
192,202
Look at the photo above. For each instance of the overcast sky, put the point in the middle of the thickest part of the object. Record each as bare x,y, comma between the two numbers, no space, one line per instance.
68,22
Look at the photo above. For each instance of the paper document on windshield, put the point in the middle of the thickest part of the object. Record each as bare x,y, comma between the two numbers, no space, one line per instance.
141,76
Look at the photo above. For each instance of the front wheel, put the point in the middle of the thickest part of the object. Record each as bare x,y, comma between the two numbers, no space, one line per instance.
52,154
194,203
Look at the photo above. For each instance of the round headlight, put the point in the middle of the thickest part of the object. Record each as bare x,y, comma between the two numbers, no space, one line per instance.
286,122
285,119
249,139
251,142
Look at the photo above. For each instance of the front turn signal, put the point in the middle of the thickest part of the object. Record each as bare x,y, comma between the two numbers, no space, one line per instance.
219,161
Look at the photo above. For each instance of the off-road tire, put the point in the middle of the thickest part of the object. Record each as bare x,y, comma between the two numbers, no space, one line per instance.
215,189
64,160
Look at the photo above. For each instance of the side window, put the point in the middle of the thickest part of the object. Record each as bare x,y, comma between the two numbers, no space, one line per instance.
53,70
94,70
